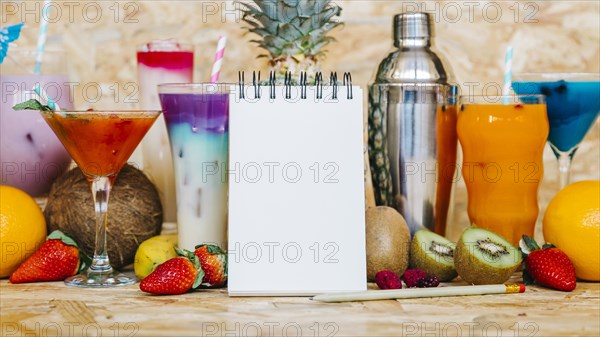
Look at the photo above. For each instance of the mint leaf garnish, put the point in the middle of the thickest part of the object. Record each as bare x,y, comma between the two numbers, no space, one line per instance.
32,104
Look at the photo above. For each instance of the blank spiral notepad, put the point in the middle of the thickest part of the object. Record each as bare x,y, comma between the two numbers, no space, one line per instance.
296,191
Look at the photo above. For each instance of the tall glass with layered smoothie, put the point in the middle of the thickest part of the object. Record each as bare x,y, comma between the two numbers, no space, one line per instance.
161,61
197,122
503,140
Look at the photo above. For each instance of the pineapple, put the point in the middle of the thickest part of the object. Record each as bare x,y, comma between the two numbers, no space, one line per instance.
378,152
293,32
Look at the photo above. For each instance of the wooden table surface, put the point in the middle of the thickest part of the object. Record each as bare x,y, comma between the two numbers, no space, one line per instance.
53,309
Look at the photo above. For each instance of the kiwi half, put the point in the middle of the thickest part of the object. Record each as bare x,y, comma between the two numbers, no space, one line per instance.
434,254
483,257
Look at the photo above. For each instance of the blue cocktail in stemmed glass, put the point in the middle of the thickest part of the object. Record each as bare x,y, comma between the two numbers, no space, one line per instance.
573,103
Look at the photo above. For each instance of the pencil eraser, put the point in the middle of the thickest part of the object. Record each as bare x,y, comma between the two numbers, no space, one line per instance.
521,288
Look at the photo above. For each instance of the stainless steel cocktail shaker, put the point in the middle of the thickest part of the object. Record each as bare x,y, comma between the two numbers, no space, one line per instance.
412,127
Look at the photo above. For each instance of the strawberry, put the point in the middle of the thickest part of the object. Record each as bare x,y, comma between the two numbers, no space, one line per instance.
55,260
175,276
549,267
213,261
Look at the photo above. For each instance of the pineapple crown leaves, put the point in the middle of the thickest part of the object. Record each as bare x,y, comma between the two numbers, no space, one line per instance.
291,27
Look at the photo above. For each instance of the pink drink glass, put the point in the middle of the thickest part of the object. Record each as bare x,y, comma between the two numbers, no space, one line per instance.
31,155
162,61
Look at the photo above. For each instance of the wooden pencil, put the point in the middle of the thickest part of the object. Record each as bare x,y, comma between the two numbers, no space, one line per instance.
373,295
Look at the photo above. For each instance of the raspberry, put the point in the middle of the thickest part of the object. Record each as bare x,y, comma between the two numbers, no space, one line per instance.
413,276
429,281
387,279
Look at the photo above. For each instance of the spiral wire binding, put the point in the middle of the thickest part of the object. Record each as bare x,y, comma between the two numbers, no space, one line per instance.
333,83
241,84
256,84
303,83
348,84
319,84
288,85
272,83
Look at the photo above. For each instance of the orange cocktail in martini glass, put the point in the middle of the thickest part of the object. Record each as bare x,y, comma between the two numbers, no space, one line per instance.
100,142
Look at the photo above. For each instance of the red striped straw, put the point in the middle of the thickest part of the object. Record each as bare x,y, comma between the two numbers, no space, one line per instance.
216,70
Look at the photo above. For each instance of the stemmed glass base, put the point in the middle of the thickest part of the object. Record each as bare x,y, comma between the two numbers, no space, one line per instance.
564,164
100,280
100,274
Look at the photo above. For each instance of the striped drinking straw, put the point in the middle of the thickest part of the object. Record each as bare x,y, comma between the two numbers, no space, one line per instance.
43,33
507,73
220,53
44,96
41,45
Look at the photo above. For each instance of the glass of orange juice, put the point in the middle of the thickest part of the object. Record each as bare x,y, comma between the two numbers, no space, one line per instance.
502,139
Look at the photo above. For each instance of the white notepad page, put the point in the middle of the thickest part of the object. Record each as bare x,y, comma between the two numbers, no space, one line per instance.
296,193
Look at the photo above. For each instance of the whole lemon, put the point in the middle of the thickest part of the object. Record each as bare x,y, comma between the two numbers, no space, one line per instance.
572,223
153,252
22,228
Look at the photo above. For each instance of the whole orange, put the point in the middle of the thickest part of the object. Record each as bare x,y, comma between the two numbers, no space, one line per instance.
22,228
572,223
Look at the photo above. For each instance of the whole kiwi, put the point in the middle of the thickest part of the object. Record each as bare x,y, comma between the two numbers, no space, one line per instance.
388,241
134,213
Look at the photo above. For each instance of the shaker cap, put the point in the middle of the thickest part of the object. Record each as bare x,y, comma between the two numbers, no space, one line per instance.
413,25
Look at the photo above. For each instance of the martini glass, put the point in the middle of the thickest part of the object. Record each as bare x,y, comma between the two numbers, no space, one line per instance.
100,142
573,102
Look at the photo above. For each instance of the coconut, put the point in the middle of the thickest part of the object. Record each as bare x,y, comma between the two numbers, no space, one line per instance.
134,213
